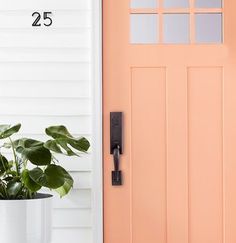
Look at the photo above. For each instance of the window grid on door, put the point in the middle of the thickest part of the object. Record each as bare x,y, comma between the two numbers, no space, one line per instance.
176,21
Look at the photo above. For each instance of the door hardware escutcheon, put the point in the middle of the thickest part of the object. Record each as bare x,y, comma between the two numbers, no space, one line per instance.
116,147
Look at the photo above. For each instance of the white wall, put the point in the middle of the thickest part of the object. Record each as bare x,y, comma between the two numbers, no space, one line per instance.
50,75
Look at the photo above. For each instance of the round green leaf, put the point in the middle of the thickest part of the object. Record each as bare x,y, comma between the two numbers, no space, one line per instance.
36,155
29,183
34,151
52,177
13,188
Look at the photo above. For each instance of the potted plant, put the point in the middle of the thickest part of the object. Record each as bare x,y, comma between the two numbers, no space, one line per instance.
25,214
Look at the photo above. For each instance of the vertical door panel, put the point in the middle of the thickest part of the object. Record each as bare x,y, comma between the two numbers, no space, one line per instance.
205,155
177,163
148,155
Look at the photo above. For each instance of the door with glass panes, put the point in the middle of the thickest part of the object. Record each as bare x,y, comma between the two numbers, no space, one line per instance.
170,67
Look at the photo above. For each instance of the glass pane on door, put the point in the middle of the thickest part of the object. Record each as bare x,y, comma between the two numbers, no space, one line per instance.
143,3
144,28
209,28
176,3
176,28
208,3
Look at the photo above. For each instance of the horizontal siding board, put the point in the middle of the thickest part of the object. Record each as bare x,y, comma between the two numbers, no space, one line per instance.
75,235
44,71
82,180
18,54
69,89
34,125
36,38
75,199
61,19
41,107
83,163
72,218
45,4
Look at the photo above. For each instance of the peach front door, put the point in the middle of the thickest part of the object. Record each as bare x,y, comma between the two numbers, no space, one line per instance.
170,67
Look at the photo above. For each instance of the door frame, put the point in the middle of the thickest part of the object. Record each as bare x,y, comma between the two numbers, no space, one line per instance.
97,126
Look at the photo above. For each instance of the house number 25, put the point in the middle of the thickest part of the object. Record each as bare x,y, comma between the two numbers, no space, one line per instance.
47,20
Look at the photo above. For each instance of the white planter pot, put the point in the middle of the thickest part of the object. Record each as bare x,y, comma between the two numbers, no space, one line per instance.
26,221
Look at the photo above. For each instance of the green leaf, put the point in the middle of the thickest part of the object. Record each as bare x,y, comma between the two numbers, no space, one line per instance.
58,132
36,155
52,177
81,144
52,145
34,151
4,165
7,145
63,190
29,183
8,130
8,178
13,188
63,143
13,173
27,142
3,192
64,140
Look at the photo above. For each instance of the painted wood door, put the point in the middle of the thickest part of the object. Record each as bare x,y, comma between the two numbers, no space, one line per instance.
170,66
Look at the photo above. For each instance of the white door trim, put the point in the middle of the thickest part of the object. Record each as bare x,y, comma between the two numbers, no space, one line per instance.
97,170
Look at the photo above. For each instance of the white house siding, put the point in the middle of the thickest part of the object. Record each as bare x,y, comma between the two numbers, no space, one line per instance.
46,77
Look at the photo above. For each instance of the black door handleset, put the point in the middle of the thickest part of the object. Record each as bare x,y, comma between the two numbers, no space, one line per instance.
116,148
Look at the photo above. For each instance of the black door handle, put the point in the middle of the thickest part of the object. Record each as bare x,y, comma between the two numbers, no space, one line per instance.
116,146
116,173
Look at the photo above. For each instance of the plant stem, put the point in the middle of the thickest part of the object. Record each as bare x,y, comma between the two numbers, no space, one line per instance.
14,153
25,164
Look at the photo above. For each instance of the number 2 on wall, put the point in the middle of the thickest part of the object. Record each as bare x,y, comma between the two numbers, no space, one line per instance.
47,19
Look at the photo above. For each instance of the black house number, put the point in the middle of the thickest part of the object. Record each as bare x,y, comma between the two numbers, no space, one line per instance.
39,19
